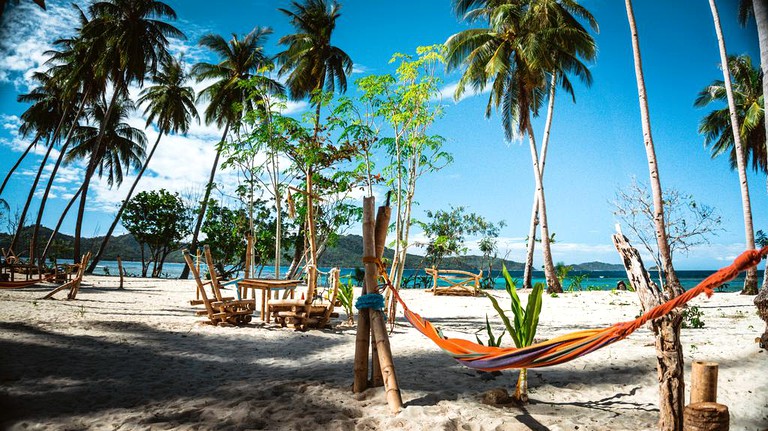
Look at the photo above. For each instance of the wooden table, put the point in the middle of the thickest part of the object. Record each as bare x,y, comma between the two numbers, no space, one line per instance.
266,285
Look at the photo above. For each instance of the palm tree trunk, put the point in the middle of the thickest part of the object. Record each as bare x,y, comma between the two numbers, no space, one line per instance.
528,270
95,156
58,224
204,205
669,350
553,284
108,235
750,281
30,196
62,153
761,19
18,162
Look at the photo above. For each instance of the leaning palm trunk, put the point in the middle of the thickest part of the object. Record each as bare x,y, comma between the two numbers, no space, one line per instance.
54,171
30,196
119,214
204,205
18,162
553,284
750,281
528,270
670,359
761,19
58,224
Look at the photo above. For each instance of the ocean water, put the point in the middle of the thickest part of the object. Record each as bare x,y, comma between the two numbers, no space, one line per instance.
603,280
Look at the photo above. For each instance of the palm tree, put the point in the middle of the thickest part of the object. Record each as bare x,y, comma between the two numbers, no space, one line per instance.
241,59
135,40
313,65
759,9
748,98
44,117
750,281
669,350
73,68
516,55
109,143
171,105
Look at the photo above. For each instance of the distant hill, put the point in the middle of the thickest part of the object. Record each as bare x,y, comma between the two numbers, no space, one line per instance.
346,253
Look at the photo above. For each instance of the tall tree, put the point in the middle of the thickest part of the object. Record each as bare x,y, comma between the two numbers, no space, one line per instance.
135,40
759,9
750,281
241,59
171,106
670,351
516,54
313,65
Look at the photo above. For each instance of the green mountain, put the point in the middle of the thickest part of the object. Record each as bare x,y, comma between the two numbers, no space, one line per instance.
345,253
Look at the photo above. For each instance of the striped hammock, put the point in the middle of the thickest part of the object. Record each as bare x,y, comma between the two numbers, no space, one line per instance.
569,346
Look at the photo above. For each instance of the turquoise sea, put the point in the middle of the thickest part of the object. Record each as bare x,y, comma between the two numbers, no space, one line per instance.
603,280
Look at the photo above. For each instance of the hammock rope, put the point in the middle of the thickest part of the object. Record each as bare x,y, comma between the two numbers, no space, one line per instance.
570,346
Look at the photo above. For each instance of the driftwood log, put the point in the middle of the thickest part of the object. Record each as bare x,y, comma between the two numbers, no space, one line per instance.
669,352
761,302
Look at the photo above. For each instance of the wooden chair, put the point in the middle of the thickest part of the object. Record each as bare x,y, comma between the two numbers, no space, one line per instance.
311,311
218,309
459,283
74,284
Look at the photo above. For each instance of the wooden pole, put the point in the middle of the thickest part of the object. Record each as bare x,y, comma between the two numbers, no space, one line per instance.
382,225
363,317
703,382
249,259
120,270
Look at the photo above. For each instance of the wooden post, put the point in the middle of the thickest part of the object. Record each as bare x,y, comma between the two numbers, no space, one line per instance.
706,417
382,225
249,259
363,317
120,270
703,382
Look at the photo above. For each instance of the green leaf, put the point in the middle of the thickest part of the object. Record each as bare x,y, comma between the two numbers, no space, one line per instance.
504,318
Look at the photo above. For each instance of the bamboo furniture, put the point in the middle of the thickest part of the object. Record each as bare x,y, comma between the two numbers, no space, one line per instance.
74,284
218,309
266,286
454,282
310,311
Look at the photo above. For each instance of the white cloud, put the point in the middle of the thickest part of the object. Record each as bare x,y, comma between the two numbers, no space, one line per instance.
448,91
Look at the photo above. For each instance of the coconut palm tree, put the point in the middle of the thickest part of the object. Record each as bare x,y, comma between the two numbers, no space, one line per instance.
516,55
313,65
670,352
109,144
135,40
44,117
750,280
748,98
170,105
72,66
241,59
759,9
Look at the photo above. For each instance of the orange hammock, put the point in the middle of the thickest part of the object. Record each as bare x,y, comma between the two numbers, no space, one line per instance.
569,346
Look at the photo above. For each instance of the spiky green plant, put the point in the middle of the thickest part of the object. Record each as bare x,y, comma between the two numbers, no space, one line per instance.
522,328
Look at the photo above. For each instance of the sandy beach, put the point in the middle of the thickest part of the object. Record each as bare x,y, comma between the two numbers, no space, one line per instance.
139,359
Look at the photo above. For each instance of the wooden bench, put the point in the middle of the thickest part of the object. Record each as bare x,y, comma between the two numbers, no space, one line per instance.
454,282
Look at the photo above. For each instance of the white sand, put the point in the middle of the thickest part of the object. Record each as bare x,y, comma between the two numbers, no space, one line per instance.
139,359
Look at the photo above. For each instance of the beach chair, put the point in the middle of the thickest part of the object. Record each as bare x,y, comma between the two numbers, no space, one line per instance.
218,309
74,284
311,311
454,282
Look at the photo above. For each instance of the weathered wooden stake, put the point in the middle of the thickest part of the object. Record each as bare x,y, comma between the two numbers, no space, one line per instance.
382,225
120,270
703,382
249,260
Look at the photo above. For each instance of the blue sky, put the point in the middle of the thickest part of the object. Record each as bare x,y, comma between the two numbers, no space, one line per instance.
596,144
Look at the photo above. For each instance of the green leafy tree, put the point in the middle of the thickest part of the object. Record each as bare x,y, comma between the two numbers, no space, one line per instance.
158,221
404,101
225,232
447,232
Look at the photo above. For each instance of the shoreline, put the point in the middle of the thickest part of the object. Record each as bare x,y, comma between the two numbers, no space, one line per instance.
139,358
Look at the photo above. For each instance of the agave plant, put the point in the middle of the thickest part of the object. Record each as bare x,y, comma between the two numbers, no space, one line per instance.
522,328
